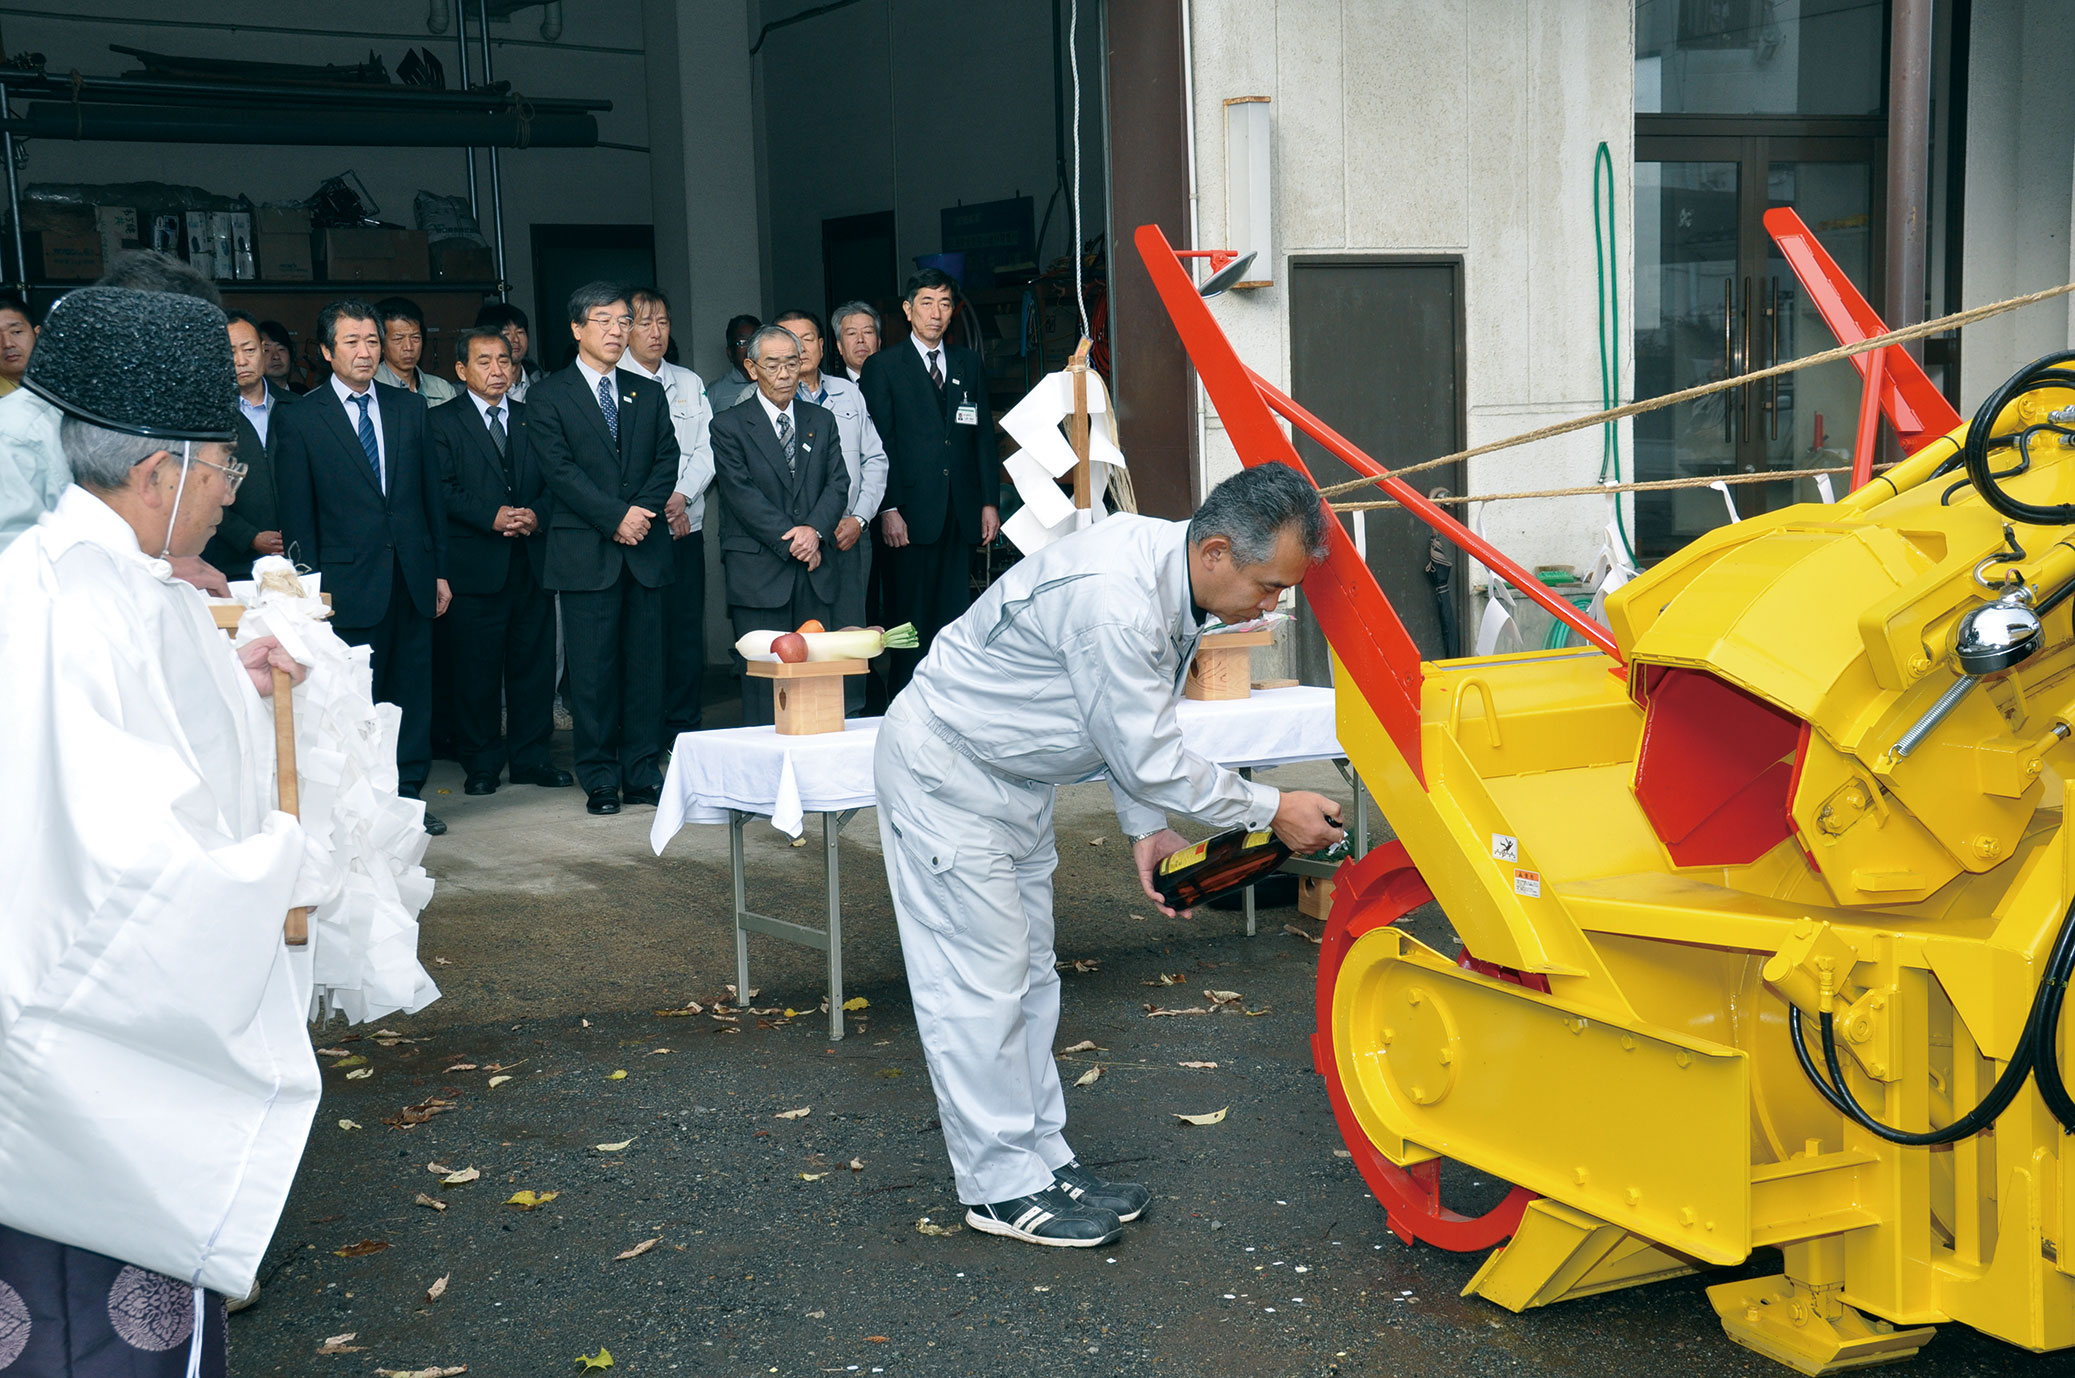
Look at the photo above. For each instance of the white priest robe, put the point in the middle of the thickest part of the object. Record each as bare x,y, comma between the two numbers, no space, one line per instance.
156,1080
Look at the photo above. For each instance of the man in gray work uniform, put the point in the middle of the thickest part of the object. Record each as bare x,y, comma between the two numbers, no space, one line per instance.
1069,666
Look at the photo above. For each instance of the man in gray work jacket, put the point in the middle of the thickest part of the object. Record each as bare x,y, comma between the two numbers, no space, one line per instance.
1069,666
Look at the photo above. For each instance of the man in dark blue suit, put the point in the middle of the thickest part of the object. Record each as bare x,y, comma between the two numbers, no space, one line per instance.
928,400
501,625
361,503
605,444
778,466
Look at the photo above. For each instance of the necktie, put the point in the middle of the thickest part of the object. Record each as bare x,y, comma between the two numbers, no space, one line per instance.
367,439
936,374
497,436
611,407
785,441
501,441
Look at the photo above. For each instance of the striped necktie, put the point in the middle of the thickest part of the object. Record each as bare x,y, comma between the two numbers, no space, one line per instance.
785,441
368,443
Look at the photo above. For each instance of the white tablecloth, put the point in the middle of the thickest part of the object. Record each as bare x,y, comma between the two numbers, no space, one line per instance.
754,770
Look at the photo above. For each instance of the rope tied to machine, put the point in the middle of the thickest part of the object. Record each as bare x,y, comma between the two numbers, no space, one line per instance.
1902,335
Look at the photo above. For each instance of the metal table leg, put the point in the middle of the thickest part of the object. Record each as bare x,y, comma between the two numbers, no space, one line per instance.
1354,782
831,828
829,940
1246,896
736,819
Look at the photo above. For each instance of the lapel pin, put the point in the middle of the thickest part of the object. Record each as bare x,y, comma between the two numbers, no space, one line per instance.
626,397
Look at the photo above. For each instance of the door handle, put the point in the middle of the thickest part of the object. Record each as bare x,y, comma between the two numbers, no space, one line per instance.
1772,405
1743,394
1728,358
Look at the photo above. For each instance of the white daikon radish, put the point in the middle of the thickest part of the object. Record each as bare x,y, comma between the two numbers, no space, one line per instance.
774,647
858,643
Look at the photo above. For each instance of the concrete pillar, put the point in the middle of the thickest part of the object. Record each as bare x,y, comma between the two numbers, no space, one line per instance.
702,156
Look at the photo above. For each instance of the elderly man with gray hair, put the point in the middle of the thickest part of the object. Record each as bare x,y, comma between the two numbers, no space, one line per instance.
1070,666
857,338
155,1070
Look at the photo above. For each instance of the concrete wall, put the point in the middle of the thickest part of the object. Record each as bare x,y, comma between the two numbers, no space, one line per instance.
913,106
1453,127
598,55
2020,194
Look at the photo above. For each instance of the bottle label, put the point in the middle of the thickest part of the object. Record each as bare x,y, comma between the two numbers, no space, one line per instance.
1187,856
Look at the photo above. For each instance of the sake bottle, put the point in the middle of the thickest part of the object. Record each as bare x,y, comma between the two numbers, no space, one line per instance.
1224,863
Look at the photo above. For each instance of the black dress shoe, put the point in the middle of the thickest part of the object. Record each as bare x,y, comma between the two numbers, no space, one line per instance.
434,826
651,797
547,776
603,801
1048,1217
1128,1200
480,784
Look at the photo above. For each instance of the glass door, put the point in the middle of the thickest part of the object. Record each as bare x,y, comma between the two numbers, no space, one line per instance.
1713,299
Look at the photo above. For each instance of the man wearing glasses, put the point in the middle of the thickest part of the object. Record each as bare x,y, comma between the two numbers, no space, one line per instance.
778,466
604,441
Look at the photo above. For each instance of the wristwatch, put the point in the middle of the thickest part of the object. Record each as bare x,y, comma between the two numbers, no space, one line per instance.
1135,838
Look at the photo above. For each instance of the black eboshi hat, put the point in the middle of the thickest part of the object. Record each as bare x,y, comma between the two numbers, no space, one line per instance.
155,364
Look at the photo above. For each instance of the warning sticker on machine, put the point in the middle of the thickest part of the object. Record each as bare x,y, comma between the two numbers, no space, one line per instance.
1504,848
1526,882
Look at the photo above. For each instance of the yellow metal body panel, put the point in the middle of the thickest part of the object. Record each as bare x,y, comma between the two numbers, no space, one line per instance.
1652,1096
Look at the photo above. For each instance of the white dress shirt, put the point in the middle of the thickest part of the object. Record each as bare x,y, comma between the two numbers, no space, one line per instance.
691,416
864,455
484,407
772,414
592,377
374,416
938,349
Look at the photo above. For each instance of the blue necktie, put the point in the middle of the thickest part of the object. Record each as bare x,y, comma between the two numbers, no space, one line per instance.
367,440
611,407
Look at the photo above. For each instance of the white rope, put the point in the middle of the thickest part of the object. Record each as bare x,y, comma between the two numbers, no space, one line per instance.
1073,58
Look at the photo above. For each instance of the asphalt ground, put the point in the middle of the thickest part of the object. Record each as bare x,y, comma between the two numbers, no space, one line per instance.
793,1245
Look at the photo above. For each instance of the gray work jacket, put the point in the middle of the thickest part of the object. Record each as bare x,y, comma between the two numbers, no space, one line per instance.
1071,665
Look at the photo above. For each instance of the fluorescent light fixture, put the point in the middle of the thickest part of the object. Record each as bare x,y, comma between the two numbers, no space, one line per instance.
1249,195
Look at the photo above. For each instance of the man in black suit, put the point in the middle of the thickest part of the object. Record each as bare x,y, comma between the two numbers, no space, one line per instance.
929,403
501,626
604,442
778,465
251,526
361,502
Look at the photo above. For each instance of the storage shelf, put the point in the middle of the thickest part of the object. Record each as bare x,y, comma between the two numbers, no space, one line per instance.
255,287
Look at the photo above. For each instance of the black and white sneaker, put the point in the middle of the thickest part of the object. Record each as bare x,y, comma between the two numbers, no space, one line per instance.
1126,1200
1048,1217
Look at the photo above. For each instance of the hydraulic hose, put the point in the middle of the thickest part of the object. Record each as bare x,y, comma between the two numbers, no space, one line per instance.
2037,1052
2042,373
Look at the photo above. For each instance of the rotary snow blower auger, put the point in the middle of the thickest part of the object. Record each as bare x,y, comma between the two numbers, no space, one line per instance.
1765,895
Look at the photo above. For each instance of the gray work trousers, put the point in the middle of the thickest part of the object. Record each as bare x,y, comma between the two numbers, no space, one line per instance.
969,858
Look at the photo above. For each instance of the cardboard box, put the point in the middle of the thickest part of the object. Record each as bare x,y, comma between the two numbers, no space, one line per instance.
281,220
118,228
63,255
373,253
65,217
462,260
283,257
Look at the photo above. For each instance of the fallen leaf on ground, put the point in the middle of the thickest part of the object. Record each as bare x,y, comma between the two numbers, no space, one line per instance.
1089,1077
354,1061
504,1066
360,1074
1203,1065
888,1073
498,1081
812,1176
875,1339
1297,932
363,1248
1214,1117
349,1124
639,1249
440,1169
1086,1045
460,1067
1141,918
434,1372
1221,997
1097,841
685,1013
620,1075
614,1148
793,1114
654,1051
585,1022
856,1002
857,1165
331,1052
1155,1012
341,1344
1256,1014
602,1359
1163,979
455,1179
422,1199
923,1226
1081,964
438,1288
441,962
790,1013
411,1116
534,1200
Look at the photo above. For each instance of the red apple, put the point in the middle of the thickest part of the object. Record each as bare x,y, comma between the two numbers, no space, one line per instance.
790,648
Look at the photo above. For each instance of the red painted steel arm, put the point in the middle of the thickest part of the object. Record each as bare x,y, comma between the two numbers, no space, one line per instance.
1917,410
1357,619
1416,503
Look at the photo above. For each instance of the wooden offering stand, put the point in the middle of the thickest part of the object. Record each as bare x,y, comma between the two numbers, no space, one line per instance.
807,697
1223,667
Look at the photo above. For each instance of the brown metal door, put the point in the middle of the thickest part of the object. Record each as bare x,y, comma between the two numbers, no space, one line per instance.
1376,353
